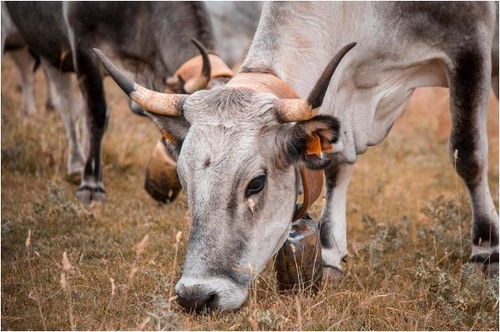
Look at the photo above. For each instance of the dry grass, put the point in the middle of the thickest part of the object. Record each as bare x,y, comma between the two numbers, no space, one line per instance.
114,265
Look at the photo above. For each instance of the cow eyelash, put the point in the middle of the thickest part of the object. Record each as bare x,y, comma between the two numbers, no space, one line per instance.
255,186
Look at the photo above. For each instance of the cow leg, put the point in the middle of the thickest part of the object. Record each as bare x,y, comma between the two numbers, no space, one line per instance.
333,232
63,97
25,64
83,124
90,80
469,90
49,103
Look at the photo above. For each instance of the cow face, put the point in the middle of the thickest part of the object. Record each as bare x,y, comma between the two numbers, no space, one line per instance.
237,165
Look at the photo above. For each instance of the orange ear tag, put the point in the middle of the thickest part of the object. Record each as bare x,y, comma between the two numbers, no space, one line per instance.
314,146
169,137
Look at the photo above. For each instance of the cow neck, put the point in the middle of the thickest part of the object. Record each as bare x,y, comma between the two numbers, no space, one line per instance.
312,180
263,82
192,68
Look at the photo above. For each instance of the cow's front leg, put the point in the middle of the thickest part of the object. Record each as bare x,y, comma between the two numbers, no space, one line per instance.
91,187
333,220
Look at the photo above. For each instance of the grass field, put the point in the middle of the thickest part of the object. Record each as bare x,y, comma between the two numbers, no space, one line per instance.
114,265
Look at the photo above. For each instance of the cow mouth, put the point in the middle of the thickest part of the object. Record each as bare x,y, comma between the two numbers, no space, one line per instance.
157,194
203,297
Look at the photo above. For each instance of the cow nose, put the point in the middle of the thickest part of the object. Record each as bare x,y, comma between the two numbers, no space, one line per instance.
195,298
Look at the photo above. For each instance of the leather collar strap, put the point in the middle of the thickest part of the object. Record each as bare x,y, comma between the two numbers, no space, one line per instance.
192,68
312,180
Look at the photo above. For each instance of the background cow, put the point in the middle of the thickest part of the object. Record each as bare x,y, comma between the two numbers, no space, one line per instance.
62,34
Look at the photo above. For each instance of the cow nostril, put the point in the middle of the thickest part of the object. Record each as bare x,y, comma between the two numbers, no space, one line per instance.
211,301
195,300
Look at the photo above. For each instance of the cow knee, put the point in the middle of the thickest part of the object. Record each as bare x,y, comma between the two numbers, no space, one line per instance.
467,163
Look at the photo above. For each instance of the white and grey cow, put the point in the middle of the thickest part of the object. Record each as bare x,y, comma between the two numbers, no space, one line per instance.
238,160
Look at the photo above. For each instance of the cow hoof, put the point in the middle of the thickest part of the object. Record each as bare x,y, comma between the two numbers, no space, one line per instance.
88,194
332,274
487,263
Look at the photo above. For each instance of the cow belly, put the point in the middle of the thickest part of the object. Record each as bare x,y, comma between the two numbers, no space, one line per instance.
43,28
382,126
394,98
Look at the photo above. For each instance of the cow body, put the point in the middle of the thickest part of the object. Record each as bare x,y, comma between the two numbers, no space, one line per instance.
239,158
149,40
401,46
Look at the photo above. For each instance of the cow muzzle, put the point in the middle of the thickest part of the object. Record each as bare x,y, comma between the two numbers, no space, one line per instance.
162,182
203,296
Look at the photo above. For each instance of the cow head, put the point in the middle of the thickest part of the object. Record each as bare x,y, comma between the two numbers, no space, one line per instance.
237,165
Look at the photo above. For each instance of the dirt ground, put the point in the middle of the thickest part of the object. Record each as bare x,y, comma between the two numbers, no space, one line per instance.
114,265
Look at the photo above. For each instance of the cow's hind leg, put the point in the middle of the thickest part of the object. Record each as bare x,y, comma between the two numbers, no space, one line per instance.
25,64
469,89
333,220
63,97
49,102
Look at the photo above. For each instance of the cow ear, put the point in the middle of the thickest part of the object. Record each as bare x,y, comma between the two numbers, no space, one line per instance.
304,141
172,128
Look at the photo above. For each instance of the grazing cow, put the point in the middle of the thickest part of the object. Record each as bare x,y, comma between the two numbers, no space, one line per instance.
150,40
238,162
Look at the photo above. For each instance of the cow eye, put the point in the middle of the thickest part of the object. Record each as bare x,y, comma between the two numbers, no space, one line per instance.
255,186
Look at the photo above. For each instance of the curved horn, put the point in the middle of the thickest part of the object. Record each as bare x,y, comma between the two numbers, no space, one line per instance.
291,110
201,81
152,101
